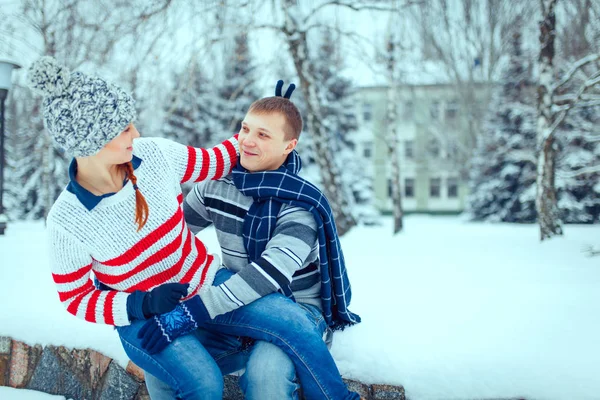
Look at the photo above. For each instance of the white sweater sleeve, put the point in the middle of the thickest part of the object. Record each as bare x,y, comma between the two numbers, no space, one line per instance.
71,265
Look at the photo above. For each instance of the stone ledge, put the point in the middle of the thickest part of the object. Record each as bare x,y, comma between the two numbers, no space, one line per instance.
87,374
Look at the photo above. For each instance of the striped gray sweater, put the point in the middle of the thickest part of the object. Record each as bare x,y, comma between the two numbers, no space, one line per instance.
291,256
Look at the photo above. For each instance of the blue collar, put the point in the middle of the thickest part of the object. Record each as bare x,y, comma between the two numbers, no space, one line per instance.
87,198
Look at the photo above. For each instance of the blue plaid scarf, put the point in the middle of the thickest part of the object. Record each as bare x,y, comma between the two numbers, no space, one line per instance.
272,189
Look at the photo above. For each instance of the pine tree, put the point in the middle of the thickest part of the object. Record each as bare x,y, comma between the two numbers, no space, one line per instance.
237,91
503,174
36,171
579,193
191,113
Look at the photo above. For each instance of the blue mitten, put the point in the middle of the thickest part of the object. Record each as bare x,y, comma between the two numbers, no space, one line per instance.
159,331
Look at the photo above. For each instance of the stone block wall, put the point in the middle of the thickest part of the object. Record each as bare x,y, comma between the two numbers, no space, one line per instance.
89,375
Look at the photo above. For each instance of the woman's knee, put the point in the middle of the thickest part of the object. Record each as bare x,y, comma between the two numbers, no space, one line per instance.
267,363
207,387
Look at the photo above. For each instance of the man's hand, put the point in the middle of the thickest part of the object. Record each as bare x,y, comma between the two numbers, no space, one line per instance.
164,298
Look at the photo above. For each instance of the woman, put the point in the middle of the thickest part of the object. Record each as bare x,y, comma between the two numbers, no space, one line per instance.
120,217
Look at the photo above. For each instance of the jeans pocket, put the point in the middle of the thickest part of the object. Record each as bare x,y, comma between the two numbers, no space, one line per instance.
314,314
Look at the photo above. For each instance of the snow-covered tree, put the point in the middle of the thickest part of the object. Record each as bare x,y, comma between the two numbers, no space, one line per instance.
340,123
502,179
556,101
193,112
391,58
577,183
238,89
578,160
77,33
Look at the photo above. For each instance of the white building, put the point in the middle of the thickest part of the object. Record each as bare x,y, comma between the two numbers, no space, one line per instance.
434,140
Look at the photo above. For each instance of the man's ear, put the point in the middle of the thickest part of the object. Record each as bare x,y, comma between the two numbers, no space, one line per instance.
291,146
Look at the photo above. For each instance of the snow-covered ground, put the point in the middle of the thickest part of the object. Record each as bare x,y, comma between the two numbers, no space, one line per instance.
451,310
7,393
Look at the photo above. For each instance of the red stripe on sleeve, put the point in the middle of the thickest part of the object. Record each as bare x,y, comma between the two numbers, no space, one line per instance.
232,154
90,313
74,305
205,165
73,276
220,163
203,277
198,262
190,165
64,296
108,308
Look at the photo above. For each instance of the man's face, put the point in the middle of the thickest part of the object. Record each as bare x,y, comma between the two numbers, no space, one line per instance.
263,146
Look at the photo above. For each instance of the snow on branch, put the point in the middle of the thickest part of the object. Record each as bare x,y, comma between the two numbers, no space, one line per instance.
581,171
576,67
564,110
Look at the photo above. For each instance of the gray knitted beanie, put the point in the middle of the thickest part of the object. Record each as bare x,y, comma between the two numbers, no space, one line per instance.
82,113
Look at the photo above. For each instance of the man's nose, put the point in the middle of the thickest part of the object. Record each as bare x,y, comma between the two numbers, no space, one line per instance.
249,140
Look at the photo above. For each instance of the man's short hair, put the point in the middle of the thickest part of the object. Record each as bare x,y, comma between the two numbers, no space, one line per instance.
277,104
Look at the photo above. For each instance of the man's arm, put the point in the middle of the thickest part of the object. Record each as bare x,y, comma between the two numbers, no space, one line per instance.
195,213
293,239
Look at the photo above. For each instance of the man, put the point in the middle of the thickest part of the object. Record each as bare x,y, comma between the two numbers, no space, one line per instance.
282,246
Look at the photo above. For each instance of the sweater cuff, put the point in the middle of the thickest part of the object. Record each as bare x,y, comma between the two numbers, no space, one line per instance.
135,305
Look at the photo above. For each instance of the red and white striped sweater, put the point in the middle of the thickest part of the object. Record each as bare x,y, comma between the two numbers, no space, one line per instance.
105,239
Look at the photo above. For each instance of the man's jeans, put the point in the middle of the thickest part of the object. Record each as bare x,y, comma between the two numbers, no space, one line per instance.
189,368
269,372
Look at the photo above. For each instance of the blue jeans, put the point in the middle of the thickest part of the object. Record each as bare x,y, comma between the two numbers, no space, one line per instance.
269,374
188,367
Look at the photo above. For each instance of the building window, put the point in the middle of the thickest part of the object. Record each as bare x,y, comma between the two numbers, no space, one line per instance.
452,187
409,149
434,187
433,148
409,187
367,152
451,110
409,110
367,111
434,110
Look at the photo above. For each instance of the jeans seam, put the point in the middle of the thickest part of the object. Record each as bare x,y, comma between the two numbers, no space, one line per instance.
152,361
224,354
250,327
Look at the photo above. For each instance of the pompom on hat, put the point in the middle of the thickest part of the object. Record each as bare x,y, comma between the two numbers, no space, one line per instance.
82,113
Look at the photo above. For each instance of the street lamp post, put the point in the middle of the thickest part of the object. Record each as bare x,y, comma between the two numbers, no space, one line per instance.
6,68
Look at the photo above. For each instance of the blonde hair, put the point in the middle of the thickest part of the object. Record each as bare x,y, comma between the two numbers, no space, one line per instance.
278,104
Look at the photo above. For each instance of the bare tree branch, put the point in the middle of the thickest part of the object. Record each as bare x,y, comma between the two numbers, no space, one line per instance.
576,67
582,171
356,7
